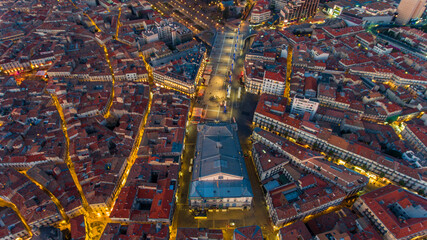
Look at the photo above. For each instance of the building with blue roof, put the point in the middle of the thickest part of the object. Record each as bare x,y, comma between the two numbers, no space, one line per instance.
220,178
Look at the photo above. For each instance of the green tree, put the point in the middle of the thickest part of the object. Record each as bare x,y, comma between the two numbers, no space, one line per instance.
382,174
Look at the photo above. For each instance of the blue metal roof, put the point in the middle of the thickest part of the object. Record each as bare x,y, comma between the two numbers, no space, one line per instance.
218,152
221,189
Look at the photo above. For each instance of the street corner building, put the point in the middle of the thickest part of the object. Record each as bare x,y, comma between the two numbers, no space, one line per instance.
220,179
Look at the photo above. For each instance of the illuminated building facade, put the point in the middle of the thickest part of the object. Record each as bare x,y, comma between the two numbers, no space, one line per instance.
294,11
410,9
183,70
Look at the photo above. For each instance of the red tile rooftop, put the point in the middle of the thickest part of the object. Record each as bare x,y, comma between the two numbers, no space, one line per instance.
307,181
327,135
146,193
390,107
419,130
310,84
308,200
324,222
326,91
379,201
134,231
259,10
339,174
343,31
291,36
342,97
366,37
162,202
266,158
331,112
198,233
289,147
372,69
248,233
402,74
123,205
78,231
295,231
270,55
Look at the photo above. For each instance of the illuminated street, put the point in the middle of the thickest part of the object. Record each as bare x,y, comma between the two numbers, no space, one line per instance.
5,203
95,221
67,157
65,223
216,92
109,104
90,19
227,45
92,221
179,15
190,15
133,154
118,24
